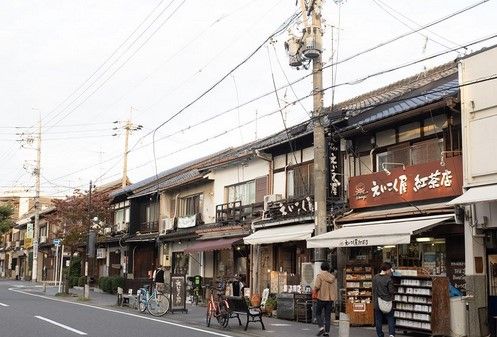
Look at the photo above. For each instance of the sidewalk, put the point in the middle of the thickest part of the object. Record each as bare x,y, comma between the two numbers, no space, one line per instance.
196,317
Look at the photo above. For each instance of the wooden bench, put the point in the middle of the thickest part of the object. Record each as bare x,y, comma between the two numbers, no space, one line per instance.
238,306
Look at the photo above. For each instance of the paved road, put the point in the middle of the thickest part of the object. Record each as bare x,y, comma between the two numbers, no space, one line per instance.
24,314
26,310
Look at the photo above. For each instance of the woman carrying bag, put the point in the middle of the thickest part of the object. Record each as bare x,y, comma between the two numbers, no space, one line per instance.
383,294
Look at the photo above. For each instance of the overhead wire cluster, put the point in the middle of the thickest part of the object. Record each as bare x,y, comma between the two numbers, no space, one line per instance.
283,27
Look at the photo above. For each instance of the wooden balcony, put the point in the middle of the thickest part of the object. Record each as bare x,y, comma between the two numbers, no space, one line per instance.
236,212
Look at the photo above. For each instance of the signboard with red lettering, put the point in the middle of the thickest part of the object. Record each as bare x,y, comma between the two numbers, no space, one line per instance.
415,183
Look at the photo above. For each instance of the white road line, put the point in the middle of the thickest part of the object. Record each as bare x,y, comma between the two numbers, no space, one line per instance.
188,327
4,305
61,325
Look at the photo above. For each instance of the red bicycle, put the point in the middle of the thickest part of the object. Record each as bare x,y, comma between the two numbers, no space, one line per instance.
218,309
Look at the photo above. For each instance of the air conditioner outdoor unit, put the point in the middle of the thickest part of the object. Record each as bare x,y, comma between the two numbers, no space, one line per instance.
271,198
43,239
167,224
18,244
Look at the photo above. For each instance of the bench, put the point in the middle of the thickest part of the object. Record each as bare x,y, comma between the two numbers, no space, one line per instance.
238,306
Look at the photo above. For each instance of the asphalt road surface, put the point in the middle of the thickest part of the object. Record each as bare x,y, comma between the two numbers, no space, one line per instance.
24,315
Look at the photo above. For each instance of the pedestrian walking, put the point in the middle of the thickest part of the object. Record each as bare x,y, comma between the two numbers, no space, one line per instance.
383,294
325,286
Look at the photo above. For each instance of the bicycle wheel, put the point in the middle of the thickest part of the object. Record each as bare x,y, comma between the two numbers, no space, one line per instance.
223,316
208,315
158,306
142,304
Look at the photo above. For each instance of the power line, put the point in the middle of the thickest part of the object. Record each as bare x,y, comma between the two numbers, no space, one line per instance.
122,64
110,57
385,7
180,51
279,30
296,101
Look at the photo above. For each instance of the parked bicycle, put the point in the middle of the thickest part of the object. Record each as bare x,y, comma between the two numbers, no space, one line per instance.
217,308
155,302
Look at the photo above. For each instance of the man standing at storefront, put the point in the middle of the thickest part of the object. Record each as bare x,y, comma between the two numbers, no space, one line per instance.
383,294
325,286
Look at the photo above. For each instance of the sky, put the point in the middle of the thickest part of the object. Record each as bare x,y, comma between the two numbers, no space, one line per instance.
79,66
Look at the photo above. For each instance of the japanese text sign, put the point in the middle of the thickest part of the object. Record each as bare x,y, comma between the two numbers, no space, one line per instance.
415,183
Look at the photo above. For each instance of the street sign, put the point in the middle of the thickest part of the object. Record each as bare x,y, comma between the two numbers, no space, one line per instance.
56,242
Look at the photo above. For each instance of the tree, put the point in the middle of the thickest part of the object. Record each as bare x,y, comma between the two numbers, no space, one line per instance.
74,215
6,212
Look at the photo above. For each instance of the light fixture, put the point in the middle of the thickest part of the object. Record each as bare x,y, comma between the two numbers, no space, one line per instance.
397,164
389,246
424,239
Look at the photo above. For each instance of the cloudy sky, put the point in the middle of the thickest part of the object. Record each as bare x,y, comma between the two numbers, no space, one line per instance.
81,65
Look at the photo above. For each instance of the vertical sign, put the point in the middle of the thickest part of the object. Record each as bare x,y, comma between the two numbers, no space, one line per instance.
334,169
178,293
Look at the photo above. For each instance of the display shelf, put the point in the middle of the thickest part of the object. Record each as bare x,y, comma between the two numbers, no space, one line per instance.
422,304
359,294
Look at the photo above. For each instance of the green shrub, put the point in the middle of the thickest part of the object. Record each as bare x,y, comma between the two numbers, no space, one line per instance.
82,281
116,281
73,281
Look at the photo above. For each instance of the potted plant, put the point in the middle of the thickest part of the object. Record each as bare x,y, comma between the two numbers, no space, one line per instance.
271,305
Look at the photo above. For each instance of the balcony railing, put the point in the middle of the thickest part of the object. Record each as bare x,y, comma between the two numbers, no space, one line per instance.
149,226
236,212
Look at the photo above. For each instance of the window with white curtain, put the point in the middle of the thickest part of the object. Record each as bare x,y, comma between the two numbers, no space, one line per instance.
244,192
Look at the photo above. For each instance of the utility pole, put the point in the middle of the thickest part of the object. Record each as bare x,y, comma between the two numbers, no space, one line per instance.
34,269
319,137
308,48
128,127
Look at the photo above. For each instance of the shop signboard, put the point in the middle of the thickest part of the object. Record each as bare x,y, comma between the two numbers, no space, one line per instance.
178,293
414,183
334,169
457,274
292,208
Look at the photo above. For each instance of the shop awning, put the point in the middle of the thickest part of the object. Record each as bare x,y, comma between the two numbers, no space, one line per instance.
208,245
476,194
376,233
280,234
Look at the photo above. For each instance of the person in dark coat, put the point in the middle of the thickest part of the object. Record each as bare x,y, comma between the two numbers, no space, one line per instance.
384,290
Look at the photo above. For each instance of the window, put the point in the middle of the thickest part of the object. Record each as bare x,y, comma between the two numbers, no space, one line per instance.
152,212
300,181
385,138
434,124
191,205
427,151
409,131
244,192
121,215
419,153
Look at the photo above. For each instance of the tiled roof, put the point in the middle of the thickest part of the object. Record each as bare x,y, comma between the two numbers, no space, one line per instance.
395,91
410,93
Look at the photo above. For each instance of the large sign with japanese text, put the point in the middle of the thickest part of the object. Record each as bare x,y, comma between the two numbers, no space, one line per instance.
334,170
415,183
292,208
